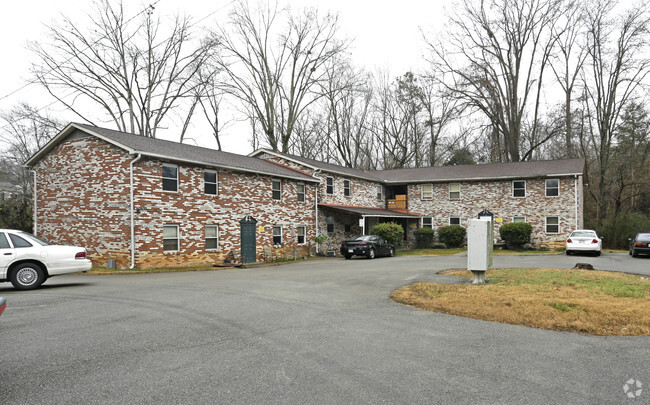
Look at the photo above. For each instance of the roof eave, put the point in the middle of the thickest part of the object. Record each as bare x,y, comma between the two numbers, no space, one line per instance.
446,180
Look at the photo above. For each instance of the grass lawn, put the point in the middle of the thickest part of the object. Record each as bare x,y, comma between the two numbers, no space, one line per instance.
581,301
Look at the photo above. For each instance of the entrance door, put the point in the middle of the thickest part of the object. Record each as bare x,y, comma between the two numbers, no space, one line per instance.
248,240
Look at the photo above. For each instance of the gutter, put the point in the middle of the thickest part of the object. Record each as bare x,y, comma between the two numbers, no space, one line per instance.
132,212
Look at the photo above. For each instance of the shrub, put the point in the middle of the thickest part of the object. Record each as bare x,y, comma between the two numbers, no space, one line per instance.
516,234
424,237
392,232
452,235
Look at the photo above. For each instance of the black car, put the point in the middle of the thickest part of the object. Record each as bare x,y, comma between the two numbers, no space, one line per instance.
640,245
367,245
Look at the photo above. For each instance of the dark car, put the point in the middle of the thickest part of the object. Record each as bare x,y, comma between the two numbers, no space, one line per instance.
367,245
640,245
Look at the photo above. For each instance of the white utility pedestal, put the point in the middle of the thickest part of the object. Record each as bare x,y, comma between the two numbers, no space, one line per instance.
480,237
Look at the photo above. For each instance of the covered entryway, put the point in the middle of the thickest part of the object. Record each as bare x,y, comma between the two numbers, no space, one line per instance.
248,239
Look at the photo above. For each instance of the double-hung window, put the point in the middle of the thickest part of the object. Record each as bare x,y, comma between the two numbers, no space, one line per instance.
330,224
519,188
347,224
552,187
171,239
301,231
277,189
427,222
552,224
211,237
329,189
210,182
346,188
169,177
427,191
277,235
380,192
454,191
300,192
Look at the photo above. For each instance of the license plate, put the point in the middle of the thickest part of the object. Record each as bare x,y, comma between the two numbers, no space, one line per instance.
581,241
350,250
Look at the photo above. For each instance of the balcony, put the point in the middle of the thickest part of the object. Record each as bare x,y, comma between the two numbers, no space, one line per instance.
399,203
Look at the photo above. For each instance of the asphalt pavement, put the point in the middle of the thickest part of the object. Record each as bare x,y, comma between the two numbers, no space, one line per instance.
322,331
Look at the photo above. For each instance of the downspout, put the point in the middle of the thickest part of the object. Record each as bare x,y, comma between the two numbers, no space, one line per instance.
35,207
363,224
316,206
132,213
575,191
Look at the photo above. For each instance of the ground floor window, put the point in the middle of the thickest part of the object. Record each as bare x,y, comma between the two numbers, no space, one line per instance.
454,220
348,224
277,235
301,234
171,240
552,224
427,222
519,219
330,224
211,237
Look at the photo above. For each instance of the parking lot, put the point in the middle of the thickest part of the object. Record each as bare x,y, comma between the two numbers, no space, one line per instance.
322,331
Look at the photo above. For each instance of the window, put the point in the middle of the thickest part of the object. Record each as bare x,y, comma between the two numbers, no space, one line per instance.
552,187
277,235
330,224
346,188
4,243
170,178
519,188
380,192
301,192
211,237
301,234
519,219
427,222
330,185
348,223
19,242
552,224
454,220
454,191
427,191
210,182
277,189
170,238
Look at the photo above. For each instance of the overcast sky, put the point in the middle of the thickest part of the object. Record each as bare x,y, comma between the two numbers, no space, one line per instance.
386,34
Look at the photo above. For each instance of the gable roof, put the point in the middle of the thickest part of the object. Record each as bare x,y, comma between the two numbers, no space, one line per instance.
439,174
174,151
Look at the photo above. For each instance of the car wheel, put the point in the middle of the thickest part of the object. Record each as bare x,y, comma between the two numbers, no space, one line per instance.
391,252
27,276
634,253
630,252
371,254
348,257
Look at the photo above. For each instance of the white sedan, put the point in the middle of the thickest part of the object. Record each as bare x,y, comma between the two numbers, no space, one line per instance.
27,261
584,240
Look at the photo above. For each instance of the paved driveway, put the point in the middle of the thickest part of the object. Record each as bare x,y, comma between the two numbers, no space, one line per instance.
317,332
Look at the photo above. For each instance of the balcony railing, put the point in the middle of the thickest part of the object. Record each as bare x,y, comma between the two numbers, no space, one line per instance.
399,203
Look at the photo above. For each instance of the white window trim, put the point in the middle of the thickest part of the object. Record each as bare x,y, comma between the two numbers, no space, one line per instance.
348,188
178,238
273,235
460,221
546,188
304,234
162,177
326,185
216,237
546,224
422,192
216,181
518,216
304,192
380,192
512,192
449,188
273,190
422,222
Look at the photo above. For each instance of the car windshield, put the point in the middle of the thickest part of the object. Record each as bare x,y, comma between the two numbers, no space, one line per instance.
586,234
643,237
361,237
34,238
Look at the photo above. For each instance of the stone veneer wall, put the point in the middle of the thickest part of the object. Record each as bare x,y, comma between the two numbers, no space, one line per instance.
83,199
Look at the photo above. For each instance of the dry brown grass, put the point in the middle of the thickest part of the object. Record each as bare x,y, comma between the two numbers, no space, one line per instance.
582,301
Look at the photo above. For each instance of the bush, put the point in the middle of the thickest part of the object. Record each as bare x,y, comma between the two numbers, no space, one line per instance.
452,235
516,234
424,238
392,232
617,229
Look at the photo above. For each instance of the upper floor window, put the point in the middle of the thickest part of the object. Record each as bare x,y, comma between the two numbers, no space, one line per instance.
277,189
301,231
519,188
552,187
552,224
300,188
454,220
346,188
277,235
330,185
380,192
427,191
210,182
169,177
519,219
427,222
211,237
454,191
171,239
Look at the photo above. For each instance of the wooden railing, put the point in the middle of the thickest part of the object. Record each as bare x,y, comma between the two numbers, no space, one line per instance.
399,203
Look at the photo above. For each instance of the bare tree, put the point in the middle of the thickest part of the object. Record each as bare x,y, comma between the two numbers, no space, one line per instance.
274,60
494,61
137,71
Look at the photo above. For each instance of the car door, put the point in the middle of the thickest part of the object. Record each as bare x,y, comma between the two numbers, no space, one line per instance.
7,255
382,247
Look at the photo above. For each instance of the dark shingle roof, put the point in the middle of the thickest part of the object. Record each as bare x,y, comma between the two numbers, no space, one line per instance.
175,151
